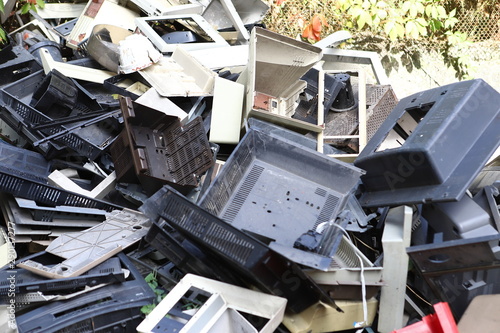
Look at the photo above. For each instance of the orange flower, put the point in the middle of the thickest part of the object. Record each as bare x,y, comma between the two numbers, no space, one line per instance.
279,2
312,31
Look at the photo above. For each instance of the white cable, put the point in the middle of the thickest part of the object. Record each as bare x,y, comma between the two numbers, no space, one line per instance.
362,277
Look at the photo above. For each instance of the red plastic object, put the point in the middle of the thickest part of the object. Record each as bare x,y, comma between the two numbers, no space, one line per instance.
441,321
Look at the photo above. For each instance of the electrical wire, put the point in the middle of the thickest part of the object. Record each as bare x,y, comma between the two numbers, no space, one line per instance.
362,277
420,297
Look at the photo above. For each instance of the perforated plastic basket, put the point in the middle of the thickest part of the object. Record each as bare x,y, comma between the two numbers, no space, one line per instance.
89,141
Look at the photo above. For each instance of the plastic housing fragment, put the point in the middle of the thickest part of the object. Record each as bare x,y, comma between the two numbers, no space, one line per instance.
413,156
157,149
255,262
458,270
279,190
272,77
222,310
192,23
112,308
110,271
86,249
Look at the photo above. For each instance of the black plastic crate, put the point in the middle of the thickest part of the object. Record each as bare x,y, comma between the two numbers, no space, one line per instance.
16,64
251,259
186,256
44,194
118,84
24,163
113,308
89,141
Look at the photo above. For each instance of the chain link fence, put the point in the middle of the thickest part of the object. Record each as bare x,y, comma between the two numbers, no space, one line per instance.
480,20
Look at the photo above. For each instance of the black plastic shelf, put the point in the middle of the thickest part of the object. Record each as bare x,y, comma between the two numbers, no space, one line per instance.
44,194
24,163
16,64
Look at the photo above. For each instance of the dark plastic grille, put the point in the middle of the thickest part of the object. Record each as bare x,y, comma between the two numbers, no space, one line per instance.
381,101
14,93
48,195
327,211
202,225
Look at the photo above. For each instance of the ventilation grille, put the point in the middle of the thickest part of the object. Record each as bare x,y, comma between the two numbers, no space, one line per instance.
242,194
207,228
328,209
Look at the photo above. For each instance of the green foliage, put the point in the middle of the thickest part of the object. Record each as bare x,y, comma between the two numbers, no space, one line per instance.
26,6
410,19
3,34
406,24
31,5
160,293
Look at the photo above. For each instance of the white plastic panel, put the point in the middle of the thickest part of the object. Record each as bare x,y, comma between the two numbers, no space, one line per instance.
224,304
227,109
97,12
395,239
85,250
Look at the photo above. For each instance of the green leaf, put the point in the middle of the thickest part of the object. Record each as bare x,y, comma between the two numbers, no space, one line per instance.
3,35
428,10
413,11
150,277
25,8
389,27
400,30
382,14
435,25
356,11
420,7
411,30
2,8
393,34
406,7
421,21
441,11
449,23
364,19
434,13
146,309
421,29
40,3
361,21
